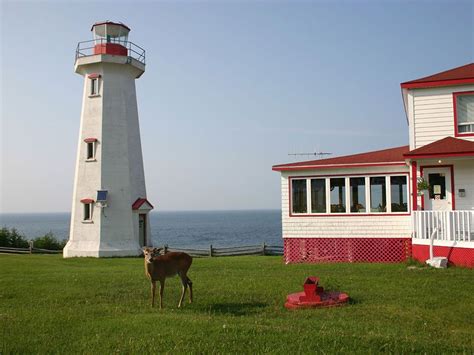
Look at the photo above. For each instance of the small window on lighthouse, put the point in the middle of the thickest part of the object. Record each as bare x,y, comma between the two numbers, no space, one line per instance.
87,211
94,86
90,151
90,148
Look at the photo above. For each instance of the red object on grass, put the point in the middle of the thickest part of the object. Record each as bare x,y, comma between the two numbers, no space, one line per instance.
314,296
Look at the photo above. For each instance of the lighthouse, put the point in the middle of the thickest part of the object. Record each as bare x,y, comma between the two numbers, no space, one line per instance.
110,210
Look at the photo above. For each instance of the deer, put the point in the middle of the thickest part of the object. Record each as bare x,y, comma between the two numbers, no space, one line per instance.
159,267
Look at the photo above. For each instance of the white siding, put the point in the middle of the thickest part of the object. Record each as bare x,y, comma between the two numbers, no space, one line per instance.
344,226
464,179
433,114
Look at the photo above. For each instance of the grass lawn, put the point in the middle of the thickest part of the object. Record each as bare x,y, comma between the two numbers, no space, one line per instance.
48,304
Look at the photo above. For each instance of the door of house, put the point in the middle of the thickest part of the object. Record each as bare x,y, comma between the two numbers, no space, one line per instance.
439,195
142,229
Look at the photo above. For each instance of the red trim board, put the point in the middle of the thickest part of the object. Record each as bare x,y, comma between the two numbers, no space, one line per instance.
415,186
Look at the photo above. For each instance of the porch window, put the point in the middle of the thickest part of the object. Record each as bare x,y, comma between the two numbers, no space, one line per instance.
357,194
398,189
338,195
318,195
378,194
298,194
349,195
464,112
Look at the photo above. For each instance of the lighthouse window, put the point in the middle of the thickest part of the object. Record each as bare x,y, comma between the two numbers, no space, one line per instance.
90,150
95,86
87,211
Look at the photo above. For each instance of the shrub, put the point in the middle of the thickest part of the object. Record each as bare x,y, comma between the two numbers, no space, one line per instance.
48,241
10,238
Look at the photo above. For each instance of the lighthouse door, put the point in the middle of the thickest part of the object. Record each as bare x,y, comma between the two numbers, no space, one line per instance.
142,230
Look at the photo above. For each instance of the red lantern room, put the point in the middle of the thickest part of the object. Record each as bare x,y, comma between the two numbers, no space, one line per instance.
110,38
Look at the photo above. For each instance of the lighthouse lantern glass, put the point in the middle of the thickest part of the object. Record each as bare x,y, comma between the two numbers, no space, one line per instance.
110,33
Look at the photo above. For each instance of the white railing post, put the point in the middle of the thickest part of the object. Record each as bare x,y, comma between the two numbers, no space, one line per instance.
469,222
447,217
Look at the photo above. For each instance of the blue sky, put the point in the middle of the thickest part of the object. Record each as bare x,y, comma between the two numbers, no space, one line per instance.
230,89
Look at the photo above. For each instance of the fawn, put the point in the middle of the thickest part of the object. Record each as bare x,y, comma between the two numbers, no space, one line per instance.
159,267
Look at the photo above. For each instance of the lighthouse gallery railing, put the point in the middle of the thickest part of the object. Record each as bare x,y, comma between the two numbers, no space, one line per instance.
87,48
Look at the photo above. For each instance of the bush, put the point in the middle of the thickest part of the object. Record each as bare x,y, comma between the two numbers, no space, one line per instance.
10,238
49,242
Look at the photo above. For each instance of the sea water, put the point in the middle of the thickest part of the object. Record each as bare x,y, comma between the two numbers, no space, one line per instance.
196,229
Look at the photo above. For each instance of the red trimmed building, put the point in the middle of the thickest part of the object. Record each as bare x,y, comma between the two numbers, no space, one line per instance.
385,205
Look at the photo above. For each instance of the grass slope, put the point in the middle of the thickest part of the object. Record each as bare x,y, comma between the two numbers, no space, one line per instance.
48,304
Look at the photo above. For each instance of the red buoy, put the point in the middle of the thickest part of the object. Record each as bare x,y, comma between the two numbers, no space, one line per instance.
315,296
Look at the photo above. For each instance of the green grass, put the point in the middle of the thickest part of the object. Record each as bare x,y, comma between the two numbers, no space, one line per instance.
48,304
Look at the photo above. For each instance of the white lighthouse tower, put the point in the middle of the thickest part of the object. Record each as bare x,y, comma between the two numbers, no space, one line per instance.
109,208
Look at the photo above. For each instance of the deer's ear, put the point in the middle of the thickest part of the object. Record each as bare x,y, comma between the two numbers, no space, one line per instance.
157,250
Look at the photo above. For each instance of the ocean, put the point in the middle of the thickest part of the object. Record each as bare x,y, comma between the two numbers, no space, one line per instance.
196,229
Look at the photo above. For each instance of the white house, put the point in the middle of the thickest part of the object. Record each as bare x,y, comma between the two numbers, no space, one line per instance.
109,208
368,208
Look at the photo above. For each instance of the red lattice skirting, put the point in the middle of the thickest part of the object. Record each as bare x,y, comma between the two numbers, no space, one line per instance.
456,256
369,250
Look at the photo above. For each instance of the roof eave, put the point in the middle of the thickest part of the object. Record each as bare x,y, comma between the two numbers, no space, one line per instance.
439,155
335,166
436,83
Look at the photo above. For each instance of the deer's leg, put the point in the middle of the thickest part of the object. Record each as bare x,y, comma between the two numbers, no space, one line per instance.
162,288
190,284
153,288
184,282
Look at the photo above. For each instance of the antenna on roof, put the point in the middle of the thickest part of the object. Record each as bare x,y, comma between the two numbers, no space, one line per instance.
316,154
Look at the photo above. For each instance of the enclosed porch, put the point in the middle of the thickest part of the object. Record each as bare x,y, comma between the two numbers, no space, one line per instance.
443,200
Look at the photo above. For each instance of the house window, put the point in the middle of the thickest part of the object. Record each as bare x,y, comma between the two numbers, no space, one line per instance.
464,112
318,195
94,86
378,194
357,194
298,194
338,195
367,194
398,191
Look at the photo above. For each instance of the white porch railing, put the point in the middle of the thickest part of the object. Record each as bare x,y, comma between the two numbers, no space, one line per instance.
450,225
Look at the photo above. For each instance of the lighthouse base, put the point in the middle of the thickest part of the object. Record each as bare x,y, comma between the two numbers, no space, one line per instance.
100,250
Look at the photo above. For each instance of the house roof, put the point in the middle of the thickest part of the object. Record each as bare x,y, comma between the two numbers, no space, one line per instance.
456,76
139,202
446,147
385,157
